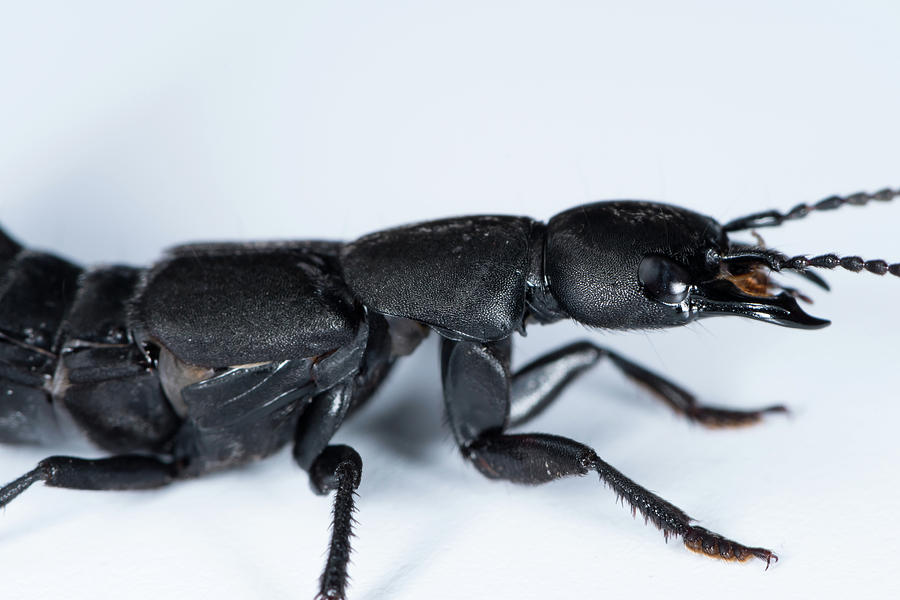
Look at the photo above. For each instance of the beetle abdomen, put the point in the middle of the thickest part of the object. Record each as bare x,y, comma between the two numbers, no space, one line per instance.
36,290
103,380
64,342
466,277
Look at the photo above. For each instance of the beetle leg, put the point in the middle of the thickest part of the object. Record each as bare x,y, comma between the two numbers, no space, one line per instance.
477,386
125,472
536,385
331,468
536,458
338,469
476,382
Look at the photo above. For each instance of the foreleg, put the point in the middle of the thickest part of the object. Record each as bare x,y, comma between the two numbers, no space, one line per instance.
536,458
538,384
477,387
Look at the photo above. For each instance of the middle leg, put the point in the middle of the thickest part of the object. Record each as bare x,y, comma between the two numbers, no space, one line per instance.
332,468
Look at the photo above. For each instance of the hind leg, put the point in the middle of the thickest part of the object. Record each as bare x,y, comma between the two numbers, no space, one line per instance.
125,472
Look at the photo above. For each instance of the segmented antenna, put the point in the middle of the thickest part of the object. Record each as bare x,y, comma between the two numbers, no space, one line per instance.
773,218
778,261
832,261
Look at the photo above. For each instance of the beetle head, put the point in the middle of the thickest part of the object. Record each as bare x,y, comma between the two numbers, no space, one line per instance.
629,265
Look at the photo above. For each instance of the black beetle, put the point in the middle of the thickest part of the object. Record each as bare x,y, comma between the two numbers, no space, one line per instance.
222,353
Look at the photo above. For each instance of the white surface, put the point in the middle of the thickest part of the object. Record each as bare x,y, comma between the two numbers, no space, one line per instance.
125,131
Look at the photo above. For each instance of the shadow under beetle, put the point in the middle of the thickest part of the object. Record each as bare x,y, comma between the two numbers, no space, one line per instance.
221,354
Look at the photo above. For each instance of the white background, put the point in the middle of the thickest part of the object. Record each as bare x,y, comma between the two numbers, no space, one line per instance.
123,131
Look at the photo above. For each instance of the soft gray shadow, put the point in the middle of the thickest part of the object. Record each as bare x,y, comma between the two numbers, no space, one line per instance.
409,427
405,416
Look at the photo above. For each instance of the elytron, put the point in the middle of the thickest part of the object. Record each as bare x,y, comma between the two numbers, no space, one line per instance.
222,353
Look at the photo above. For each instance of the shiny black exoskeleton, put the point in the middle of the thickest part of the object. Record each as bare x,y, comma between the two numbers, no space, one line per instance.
221,354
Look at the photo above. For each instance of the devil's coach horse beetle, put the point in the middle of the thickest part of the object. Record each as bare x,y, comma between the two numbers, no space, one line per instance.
222,353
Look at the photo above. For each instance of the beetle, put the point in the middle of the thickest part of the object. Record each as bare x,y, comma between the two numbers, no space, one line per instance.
222,353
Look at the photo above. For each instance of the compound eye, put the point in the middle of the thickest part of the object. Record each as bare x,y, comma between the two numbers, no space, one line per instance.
664,280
